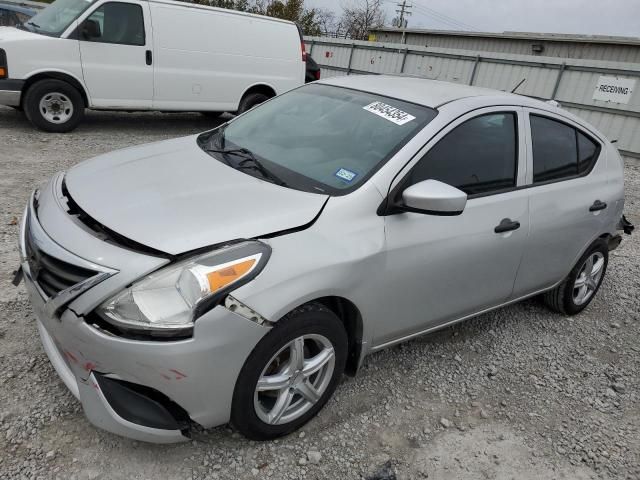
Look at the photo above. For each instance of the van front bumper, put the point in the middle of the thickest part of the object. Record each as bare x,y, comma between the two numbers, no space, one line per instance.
146,390
11,92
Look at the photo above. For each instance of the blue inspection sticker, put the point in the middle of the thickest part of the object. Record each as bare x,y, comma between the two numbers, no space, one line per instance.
346,175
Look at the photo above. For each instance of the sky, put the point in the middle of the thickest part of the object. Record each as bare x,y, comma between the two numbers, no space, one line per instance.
590,17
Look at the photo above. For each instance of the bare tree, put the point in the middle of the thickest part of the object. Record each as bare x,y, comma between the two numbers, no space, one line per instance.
360,16
326,21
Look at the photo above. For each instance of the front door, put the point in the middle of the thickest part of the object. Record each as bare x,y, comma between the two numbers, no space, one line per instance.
442,268
116,53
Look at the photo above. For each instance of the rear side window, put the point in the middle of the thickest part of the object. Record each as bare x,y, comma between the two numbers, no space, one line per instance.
116,22
559,151
478,156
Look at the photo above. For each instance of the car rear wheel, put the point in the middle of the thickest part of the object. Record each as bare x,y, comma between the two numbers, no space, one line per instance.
54,106
291,373
580,287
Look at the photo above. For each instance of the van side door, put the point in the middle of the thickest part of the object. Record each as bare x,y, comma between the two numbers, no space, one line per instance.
116,42
568,198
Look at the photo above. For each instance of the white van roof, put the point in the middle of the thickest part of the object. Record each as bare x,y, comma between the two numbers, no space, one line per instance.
221,10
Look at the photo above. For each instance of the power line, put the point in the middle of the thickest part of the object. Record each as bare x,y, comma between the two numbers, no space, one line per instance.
438,17
442,18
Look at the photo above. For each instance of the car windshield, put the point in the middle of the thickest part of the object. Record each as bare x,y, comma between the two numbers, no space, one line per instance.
319,138
55,18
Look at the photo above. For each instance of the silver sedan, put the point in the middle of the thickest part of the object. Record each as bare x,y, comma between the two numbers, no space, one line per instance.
234,276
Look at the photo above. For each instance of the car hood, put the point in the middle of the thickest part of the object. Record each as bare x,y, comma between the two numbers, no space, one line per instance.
174,197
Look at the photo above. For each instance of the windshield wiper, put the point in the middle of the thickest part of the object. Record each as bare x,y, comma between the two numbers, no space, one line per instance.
33,24
255,163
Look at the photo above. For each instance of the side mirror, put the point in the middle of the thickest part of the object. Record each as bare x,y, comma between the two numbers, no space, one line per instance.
434,198
90,30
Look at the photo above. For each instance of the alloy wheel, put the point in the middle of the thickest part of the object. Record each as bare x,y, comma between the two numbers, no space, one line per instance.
294,379
588,278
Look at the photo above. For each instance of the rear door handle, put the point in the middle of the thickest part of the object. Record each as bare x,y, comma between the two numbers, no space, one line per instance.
149,57
507,225
597,205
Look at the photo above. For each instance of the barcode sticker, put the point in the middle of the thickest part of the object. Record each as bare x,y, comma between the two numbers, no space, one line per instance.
389,112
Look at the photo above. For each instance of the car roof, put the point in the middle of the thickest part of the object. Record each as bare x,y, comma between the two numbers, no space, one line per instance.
16,8
423,91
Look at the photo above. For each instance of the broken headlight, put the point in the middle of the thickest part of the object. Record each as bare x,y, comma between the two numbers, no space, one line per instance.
168,301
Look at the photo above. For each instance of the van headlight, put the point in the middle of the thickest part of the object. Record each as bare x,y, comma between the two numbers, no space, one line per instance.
168,301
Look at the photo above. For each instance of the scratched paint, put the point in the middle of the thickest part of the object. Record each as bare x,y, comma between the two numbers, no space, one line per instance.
179,374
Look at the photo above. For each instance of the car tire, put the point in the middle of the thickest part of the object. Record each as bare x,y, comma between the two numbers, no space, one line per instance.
581,285
251,100
54,106
276,407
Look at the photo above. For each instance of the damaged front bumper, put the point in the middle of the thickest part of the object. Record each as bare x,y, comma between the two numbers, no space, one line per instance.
146,390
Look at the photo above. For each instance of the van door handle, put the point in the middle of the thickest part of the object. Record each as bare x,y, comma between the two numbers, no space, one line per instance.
149,57
597,205
507,225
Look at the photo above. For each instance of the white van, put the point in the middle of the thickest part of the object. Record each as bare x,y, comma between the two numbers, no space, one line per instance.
144,55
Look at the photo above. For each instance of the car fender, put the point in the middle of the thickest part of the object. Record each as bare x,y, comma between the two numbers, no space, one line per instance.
337,256
60,74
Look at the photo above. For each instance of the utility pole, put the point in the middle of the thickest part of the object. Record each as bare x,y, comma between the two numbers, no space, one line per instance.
404,10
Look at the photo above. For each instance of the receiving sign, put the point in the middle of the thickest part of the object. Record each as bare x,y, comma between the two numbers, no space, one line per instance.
612,89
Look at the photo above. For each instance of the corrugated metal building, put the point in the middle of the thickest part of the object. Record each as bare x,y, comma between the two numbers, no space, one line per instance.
576,83
589,47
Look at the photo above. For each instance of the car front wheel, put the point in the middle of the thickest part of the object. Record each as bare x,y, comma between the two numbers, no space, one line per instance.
291,373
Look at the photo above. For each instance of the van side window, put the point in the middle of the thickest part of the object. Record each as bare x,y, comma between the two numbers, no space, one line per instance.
115,22
5,20
478,156
559,151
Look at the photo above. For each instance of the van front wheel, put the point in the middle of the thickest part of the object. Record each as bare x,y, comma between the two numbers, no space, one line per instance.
54,106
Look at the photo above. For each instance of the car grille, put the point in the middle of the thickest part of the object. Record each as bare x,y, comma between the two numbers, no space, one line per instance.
52,274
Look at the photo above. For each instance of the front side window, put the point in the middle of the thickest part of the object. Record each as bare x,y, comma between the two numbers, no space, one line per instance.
319,138
55,19
115,22
559,150
478,156
5,19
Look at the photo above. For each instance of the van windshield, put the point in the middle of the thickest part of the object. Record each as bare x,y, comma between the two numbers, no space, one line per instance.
57,17
319,138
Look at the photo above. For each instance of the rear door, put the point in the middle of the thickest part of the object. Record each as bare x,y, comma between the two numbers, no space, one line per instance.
567,198
116,52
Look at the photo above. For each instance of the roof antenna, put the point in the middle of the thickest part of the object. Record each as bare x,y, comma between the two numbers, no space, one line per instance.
518,85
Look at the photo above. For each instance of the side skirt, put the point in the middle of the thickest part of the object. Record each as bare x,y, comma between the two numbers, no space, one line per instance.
458,320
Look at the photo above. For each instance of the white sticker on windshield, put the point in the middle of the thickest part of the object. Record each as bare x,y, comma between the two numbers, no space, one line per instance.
389,112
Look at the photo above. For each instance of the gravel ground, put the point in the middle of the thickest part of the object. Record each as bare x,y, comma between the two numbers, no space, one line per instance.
518,393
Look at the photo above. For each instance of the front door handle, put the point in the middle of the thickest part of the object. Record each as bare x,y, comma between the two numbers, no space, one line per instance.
597,205
507,225
149,57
